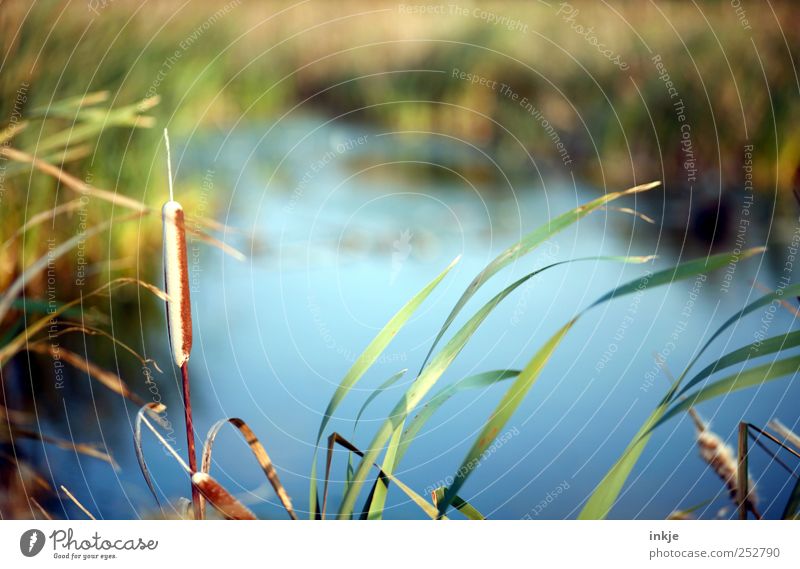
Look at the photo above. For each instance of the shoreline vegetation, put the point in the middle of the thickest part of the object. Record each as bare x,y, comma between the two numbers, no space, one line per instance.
81,205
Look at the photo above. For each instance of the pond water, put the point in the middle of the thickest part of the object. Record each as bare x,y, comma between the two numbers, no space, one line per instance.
345,232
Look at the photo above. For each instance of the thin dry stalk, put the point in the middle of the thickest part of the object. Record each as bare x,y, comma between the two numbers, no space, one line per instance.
788,435
77,503
722,460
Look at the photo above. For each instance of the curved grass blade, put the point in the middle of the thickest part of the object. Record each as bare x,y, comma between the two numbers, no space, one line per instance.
606,492
430,375
792,290
377,391
502,413
222,500
377,496
153,409
525,246
258,451
81,448
109,379
417,391
335,439
459,504
746,353
477,381
368,357
402,439
736,382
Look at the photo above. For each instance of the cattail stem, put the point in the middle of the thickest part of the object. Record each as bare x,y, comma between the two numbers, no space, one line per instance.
179,311
742,473
187,407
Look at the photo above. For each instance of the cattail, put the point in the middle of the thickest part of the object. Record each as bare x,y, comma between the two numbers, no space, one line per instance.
722,461
221,499
176,274
179,311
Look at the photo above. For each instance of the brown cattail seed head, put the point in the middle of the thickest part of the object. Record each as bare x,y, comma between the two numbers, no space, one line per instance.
220,498
176,279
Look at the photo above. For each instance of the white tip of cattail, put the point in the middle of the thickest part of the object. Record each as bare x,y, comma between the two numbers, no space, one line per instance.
176,274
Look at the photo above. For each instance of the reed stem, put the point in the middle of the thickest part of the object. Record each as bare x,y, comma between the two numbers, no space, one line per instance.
187,407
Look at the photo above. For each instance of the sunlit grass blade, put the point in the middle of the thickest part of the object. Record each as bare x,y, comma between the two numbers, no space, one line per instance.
368,357
58,251
258,451
744,354
403,437
19,341
502,413
372,396
459,504
428,378
476,381
417,391
735,382
791,290
375,393
525,246
94,121
377,497
608,489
